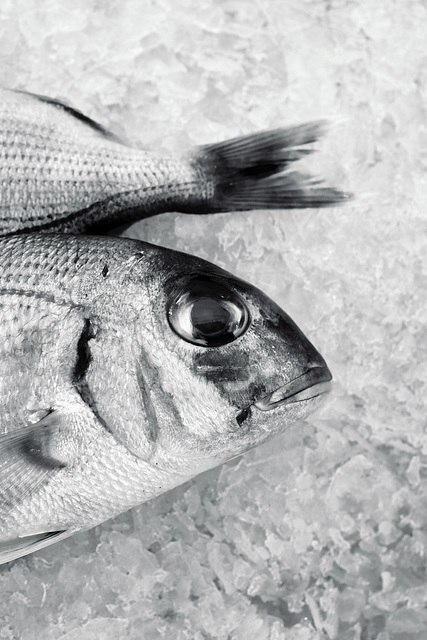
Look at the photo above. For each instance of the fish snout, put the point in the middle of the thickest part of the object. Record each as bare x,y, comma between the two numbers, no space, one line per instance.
314,382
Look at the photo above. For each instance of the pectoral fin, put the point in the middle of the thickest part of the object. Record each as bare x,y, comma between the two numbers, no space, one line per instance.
17,547
27,458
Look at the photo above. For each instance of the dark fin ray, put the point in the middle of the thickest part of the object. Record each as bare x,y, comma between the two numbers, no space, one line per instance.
25,461
17,547
284,191
280,144
250,172
95,126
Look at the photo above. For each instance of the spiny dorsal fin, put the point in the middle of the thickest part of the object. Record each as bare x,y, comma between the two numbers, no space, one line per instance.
59,104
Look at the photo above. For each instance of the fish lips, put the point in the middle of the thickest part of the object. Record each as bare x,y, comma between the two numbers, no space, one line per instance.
314,382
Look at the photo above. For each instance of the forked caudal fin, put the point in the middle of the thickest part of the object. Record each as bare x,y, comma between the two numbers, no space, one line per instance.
250,172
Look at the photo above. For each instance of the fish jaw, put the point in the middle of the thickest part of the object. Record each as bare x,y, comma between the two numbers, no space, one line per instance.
284,407
255,424
314,382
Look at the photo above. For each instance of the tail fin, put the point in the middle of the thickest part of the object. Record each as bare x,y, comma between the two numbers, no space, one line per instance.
250,172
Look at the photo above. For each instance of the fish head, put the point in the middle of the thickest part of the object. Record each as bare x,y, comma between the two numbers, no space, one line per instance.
179,367
224,367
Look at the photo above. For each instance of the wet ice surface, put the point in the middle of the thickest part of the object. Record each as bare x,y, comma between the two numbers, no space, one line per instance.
320,534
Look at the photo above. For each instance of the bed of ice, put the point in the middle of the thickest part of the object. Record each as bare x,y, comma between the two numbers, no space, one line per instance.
320,534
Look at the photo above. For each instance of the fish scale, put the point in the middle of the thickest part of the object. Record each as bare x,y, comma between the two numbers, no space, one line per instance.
68,174
128,368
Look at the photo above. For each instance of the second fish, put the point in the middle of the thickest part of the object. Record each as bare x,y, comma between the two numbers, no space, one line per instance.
60,170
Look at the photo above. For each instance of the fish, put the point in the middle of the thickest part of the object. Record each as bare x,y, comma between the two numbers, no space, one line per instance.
60,170
128,368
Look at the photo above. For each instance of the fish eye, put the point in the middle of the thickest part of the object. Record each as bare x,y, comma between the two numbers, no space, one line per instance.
208,313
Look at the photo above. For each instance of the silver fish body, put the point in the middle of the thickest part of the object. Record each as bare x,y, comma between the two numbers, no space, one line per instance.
127,369
61,170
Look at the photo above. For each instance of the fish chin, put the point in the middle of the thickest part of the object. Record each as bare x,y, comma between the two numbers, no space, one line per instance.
279,410
254,426
294,411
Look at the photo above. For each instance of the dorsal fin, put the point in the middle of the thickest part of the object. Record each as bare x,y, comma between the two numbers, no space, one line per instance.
58,104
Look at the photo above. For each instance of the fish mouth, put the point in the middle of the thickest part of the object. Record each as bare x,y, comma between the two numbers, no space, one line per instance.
314,382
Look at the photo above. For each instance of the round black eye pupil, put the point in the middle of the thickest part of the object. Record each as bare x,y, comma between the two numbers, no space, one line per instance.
209,317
